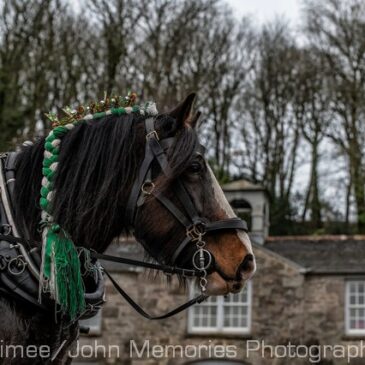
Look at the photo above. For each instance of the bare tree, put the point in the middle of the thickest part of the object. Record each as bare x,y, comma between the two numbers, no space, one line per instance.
336,29
312,110
270,130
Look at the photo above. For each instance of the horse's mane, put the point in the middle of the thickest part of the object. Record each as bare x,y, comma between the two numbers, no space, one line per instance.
98,163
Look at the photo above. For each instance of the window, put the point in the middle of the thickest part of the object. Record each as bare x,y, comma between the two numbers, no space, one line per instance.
231,314
355,307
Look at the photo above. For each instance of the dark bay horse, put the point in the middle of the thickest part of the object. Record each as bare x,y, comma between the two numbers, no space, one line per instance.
98,164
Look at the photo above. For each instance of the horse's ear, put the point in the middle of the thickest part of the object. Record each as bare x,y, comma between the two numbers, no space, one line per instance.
193,122
182,112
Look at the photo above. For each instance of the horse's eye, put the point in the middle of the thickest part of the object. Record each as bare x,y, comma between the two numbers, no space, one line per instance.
195,168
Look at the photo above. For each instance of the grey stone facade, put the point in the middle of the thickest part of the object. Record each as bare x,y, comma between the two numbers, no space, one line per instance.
288,304
298,298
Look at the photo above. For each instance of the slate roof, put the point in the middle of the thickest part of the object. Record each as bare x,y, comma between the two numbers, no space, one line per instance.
330,255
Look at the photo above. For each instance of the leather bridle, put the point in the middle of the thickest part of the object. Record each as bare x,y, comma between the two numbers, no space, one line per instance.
195,226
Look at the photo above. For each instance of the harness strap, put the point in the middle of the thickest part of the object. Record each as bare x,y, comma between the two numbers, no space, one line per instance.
15,240
231,223
16,292
181,247
170,270
146,315
186,201
9,169
160,155
132,201
172,208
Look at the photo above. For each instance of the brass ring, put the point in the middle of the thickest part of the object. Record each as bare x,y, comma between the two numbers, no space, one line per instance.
148,187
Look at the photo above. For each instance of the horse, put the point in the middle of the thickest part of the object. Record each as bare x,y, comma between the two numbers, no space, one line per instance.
99,163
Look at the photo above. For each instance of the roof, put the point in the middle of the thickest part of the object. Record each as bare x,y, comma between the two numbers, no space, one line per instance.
330,255
242,185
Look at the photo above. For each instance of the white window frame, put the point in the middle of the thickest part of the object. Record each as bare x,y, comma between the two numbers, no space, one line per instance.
348,306
220,328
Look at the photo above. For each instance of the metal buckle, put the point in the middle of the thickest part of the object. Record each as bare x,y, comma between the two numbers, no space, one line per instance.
152,134
148,187
196,231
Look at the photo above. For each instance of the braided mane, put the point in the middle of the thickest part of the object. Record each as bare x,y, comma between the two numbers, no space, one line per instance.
98,162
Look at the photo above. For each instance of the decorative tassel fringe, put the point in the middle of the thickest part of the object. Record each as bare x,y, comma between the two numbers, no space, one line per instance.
61,272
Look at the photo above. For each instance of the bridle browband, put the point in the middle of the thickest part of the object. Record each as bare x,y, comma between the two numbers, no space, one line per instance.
196,226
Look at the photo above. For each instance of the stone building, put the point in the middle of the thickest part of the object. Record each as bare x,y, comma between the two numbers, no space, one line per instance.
308,293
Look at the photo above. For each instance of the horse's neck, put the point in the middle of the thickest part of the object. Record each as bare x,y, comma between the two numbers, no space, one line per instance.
27,211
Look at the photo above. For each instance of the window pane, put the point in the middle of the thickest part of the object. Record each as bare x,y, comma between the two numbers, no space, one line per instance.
221,313
361,299
204,315
235,310
352,299
355,310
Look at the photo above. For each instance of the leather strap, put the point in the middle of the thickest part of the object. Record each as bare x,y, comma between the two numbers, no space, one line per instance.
146,315
180,248
136,188
15,240
170,270
231,223
172,208
9,169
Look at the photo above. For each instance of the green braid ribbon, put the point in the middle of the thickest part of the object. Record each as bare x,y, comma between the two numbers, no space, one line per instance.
60,270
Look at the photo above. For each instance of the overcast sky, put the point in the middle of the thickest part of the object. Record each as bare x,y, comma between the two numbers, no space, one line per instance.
264,10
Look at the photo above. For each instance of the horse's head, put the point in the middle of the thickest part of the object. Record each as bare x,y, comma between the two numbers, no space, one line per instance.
162,218
142,172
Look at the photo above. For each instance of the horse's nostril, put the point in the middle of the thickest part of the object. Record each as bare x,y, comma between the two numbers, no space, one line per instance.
247,266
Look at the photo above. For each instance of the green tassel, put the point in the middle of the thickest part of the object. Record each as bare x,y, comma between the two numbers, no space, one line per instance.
62,265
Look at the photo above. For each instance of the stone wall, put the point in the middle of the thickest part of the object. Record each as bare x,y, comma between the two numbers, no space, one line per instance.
325,314
287,306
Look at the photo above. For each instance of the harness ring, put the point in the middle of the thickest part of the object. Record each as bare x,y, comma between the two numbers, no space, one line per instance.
15,263
199,256
148,187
